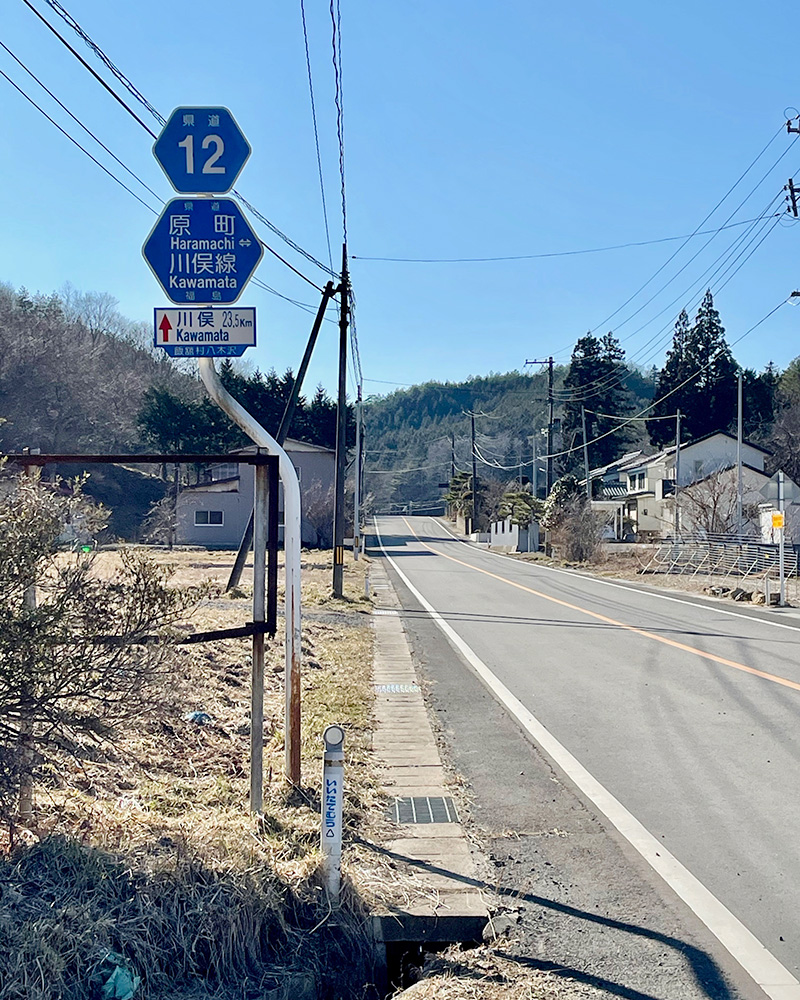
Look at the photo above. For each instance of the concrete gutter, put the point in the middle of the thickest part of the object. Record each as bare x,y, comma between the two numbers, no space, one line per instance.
445,908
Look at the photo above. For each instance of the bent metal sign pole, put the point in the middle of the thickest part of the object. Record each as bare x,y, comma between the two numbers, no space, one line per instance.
202,252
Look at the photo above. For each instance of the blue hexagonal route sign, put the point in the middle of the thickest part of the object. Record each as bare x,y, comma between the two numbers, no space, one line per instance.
202,250
201,150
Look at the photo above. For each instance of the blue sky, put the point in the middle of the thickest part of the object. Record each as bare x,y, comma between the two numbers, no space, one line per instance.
471,130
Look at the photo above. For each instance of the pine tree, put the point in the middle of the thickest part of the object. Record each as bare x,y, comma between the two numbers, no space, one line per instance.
699,374
596,381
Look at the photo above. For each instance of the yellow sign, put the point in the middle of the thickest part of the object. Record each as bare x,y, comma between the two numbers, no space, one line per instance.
778,519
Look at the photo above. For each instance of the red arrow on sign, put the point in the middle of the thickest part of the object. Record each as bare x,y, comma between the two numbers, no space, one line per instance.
165,326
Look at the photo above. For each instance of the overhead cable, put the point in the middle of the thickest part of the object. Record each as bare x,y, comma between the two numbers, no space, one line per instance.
119,75
666,395
75,142
77,121
316,133
555,253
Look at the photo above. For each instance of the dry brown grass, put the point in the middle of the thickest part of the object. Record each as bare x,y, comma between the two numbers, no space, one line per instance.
145,846
485,974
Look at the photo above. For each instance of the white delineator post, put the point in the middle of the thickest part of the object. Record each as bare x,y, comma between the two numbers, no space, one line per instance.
291,545
331,820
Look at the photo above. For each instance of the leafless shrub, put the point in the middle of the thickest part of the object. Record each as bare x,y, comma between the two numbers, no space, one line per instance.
78,654
318,513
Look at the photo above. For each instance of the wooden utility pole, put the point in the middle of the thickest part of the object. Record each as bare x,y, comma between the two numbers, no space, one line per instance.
341,435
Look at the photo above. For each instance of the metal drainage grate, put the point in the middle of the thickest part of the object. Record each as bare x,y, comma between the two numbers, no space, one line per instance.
396,688
423,809
386,611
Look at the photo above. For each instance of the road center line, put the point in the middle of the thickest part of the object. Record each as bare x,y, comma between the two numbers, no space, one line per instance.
632,588
761,965
613,621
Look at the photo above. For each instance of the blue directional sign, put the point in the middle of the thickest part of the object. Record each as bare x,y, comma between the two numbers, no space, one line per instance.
205,332
202,250
201,150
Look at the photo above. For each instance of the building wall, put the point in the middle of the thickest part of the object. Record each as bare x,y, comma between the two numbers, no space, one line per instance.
234,498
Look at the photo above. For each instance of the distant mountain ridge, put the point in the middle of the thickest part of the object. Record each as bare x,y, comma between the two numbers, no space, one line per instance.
412,434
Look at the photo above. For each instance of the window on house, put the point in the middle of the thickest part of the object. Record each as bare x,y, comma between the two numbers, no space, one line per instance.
642,479
698,469
225,470
208,517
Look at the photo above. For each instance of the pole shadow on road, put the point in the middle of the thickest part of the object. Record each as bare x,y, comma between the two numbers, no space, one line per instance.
413,614
705,970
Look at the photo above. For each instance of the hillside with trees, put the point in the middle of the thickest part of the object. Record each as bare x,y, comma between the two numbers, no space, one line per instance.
77,377
415,437
419,438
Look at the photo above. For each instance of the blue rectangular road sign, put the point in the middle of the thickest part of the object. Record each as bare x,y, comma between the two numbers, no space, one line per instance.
202,250
205,332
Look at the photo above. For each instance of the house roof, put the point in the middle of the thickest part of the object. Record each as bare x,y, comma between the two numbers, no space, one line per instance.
290,444
618,464
670,449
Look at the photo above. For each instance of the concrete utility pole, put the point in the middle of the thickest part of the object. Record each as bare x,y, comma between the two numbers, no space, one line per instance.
550,414
474,524
341,436
586,455
781,539
739,490
357,491
677,469
452,457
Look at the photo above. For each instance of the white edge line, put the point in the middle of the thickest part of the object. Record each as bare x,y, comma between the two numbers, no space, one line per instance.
623,586
762,966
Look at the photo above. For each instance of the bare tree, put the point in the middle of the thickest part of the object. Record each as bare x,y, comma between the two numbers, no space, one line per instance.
710,505
318,513
78,653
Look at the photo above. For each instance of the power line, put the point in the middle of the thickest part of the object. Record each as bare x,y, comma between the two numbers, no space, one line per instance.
582,393
666,395
727,194
558,253
64,14
77,121
86,66
75,142
316,133
336,33
119,75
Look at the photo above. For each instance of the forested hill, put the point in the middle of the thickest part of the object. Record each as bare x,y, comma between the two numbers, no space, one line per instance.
77,377
409,432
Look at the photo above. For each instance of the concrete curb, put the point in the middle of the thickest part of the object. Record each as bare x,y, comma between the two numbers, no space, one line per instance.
446,907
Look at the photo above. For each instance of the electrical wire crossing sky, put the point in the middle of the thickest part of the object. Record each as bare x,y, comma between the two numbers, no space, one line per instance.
561,170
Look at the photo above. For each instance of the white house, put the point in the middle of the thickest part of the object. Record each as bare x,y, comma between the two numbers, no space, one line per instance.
707,490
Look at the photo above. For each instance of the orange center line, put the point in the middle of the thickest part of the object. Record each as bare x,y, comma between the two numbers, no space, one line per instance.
613,621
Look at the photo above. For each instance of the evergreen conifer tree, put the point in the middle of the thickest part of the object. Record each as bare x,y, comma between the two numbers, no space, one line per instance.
596,381
700,358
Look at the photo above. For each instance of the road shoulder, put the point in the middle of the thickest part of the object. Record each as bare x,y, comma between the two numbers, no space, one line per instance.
577,899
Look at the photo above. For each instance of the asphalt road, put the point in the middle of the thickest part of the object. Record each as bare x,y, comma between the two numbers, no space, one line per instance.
686,715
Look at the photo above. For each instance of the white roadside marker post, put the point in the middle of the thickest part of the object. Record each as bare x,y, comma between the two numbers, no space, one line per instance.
331,820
